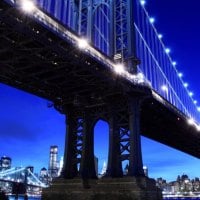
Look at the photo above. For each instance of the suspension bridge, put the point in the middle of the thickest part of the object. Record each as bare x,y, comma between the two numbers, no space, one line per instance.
99,59
20,180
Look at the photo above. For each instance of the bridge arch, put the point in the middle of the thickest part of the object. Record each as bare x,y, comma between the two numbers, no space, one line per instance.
101,144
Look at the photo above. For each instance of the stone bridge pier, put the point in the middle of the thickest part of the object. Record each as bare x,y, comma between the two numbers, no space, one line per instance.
79,180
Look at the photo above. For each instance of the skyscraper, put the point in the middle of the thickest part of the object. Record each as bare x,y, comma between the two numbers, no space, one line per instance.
53,161
104,168
60,166
44,176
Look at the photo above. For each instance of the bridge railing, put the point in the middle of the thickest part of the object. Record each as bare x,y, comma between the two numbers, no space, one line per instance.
159,68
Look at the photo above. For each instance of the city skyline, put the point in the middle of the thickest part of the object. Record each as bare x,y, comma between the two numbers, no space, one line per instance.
28,127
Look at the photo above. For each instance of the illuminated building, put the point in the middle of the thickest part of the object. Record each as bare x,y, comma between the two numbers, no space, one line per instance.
53,162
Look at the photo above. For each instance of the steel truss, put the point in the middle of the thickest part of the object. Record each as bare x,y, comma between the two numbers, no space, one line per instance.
109,25
124,137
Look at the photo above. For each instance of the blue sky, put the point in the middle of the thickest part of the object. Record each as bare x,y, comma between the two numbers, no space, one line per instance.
28,127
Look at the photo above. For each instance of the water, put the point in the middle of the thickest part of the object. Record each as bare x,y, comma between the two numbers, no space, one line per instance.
22,198
182,198
167,198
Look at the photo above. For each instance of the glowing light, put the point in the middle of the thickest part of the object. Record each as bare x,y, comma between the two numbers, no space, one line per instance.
132,76
140,77
82,43
190,121
167,50
195,101
119,68
174,63
185,85
152,20
198,128
27,5
142,2
191,94
198,109
180,74
164,88
160,36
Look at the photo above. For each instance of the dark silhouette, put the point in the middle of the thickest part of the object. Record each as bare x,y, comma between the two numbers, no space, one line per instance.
3,196
25,197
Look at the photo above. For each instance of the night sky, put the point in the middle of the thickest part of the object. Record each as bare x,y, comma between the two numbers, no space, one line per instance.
28,126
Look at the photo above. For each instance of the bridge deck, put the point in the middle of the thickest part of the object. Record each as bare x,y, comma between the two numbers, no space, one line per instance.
36,60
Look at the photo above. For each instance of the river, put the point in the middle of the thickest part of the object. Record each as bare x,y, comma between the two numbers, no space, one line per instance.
168,198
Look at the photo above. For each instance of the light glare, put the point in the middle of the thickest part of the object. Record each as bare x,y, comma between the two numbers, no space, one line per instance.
119,68
82,43
142,2
190,121
191,94
185,85
198,128
167,50
180,74
160,36
140,77
174,63
152,20
198,109
164,88
28,6
195,101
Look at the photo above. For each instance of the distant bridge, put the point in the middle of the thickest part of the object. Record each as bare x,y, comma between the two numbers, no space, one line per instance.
21,175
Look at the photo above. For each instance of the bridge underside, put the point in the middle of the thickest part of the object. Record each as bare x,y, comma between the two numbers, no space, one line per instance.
37,61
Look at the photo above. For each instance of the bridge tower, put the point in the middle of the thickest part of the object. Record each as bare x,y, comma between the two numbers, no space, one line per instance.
120,109
124,126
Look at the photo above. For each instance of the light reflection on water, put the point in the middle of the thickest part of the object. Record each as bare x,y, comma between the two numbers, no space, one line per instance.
182,198
39,198
22,198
